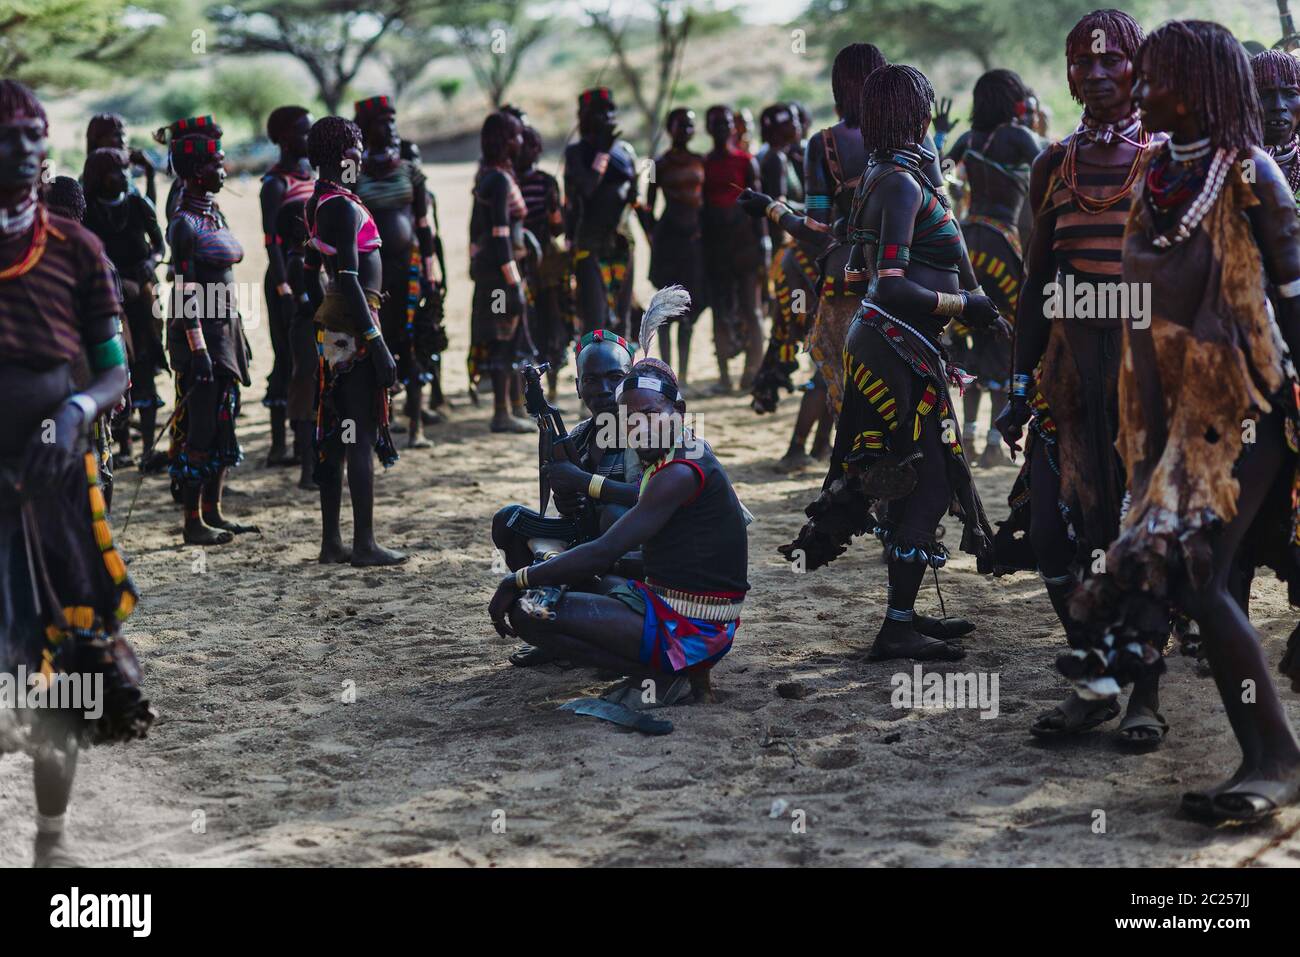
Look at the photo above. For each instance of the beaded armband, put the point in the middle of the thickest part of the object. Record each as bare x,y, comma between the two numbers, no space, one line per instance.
107,354
1020,384
194,336
893,256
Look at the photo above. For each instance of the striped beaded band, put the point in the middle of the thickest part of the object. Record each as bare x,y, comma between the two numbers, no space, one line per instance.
603,335
649,383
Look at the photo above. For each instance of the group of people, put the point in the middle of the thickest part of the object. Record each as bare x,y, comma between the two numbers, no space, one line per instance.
1129,293
1132,291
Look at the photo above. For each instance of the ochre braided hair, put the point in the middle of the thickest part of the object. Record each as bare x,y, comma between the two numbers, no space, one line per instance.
1118,31
896,104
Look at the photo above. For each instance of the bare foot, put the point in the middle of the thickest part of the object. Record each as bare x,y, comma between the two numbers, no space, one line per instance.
307,485
793,460
418,442
508,423
51,850
376,555
702,687
199,533
334,553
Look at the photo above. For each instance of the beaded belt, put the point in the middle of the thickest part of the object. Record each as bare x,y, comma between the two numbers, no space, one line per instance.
690,604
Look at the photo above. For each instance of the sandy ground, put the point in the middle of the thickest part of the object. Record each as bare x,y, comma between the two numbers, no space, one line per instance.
256,759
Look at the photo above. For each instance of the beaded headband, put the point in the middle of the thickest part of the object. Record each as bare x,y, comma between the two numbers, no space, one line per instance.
598,96
649,383
375,104
603,335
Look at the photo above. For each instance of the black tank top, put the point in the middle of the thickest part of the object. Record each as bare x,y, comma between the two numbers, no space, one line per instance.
704,546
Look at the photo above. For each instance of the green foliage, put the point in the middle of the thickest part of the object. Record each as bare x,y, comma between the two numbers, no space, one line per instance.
448,87
70,44
248,92
187,98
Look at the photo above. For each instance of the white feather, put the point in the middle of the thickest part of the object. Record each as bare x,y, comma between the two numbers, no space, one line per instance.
668,303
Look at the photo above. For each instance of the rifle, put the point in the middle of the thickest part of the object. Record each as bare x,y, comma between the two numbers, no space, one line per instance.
554,443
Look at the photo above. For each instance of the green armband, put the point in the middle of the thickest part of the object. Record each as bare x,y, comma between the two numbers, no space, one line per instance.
107,354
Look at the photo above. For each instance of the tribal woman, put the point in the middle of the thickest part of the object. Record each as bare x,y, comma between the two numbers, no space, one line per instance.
395,192
127,224
205,338
107,131
676,242
600,187
795,279
1209,424
64,589
496,248
1277,79
1066,361
356,368
733,250
682,618
290,180
551,317
834,161
895,450
996,153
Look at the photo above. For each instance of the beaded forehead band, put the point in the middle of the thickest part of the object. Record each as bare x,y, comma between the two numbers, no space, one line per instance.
650,384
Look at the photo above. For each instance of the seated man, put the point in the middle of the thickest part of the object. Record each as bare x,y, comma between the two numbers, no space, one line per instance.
587,507
691,528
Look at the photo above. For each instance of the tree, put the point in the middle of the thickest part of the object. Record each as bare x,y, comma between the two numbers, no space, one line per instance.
494,37
333,39
992,31
248,94
673,23
66,44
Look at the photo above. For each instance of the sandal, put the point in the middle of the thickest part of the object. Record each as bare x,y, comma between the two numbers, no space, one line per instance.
1253,801
1135,731
1093,717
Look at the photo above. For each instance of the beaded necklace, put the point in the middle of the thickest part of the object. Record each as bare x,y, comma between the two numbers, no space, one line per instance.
1287,156
35,250
1200,206
1095,131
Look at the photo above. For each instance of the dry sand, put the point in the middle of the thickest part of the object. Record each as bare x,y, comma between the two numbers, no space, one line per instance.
256,760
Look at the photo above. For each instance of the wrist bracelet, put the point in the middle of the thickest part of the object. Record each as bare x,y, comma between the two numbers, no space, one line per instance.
1020,384
88,406
595,485
1289,290
775,210
372,333
194,336
856,275
347,272
521,578
949,304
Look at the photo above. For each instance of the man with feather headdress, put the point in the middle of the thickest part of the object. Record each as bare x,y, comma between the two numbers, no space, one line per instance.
687,521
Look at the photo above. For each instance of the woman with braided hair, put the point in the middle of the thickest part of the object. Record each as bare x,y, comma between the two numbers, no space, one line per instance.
205,338
394,190
1277,80
1209,410
496,249
895,451
127,224
1065,504
289,181
356,368
996,152
107,131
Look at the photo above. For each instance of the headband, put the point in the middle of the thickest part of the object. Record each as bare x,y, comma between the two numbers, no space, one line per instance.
187,146
649,383
603,335
597,96
375,104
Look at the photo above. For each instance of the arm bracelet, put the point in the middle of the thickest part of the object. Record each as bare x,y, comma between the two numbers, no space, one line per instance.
521,578
194,336
775,210
1020,384
89,408
594,486
1289,290
949,304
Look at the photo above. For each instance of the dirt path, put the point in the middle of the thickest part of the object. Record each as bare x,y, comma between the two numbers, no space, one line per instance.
248,658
